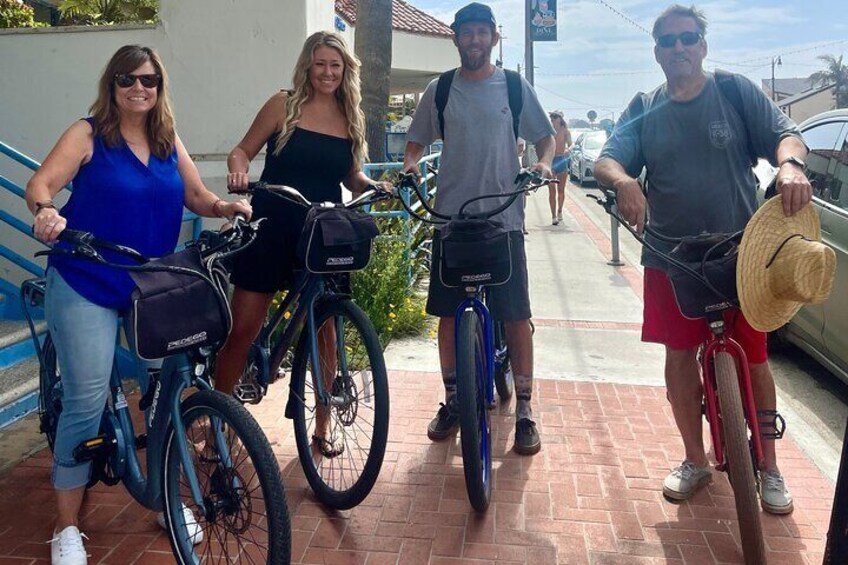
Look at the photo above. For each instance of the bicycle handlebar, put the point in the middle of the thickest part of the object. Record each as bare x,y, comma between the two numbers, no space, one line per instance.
714,240
526,181
370,196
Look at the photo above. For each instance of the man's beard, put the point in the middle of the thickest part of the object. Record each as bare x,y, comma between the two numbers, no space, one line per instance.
476,63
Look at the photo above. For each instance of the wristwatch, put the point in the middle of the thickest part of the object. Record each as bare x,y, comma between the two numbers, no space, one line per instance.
39,206
795,161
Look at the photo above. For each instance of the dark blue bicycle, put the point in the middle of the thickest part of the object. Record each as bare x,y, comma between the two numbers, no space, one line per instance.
338,392
475,254
206,455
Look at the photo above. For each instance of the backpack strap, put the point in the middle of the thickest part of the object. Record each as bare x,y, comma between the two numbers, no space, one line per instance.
442,90
515,91
636,111
729,89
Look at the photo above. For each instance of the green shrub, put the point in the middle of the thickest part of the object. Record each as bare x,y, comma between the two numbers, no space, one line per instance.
386,290
15,14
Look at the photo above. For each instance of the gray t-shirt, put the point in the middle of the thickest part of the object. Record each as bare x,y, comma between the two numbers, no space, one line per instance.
695,152
479,151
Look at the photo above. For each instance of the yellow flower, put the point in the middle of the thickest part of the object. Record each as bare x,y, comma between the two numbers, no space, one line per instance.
287,315
391,305
392,315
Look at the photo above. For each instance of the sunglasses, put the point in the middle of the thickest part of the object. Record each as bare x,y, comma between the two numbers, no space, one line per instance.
126,80
687,38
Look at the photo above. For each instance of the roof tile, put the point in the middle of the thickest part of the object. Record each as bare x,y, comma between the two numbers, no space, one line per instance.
405,17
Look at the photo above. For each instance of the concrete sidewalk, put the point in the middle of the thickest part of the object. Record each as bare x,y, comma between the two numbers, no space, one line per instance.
591,496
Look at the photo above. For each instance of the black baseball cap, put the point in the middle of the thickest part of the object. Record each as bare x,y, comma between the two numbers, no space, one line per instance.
474,12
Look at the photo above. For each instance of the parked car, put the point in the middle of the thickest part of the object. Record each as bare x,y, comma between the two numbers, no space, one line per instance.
822,329
584,153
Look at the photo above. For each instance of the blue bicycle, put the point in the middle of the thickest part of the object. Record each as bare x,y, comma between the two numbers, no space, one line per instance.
208,463
475,254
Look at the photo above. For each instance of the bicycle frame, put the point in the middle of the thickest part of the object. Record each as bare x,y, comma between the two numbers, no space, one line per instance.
477,303
721,343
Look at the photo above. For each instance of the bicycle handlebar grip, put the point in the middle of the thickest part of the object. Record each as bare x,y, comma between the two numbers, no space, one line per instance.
75,236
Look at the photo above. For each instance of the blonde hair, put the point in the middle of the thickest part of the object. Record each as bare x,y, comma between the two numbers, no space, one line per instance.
347,95
107,118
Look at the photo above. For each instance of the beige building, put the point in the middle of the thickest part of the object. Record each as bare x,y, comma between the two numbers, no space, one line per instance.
809,103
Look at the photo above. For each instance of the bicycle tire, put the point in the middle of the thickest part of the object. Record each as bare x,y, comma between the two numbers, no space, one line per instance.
230,509
344,480
504,381
474,425
737,454
50,392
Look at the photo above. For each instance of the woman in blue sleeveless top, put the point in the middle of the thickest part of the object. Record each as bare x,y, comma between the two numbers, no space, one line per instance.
315,139
131,176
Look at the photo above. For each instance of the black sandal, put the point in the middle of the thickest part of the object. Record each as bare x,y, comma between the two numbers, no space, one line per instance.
327,448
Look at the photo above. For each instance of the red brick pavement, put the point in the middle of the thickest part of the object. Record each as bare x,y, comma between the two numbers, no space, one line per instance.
591,496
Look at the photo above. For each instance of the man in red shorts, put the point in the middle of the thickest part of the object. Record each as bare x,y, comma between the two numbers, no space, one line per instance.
696,136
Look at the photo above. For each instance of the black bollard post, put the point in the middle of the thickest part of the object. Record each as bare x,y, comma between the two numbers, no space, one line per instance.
836,551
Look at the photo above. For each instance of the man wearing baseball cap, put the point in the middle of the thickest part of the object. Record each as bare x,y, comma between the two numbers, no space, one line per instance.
486,110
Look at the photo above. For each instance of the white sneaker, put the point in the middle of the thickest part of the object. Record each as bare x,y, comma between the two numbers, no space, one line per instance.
554,221
194,529
774,496
559,218
687,478
66,547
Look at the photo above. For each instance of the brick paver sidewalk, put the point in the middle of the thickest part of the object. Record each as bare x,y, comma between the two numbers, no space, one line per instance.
591,496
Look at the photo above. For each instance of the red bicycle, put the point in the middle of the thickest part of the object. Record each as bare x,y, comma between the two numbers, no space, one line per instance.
703,275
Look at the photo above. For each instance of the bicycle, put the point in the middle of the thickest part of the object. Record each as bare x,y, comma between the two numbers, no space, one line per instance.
482,357
205,452
348,387
702,275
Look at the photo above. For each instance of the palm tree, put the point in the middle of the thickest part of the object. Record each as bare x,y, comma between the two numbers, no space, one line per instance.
834,73
373,46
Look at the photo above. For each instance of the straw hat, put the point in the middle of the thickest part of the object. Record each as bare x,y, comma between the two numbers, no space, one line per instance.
782,265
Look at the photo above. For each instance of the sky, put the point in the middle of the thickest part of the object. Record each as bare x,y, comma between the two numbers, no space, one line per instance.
602,57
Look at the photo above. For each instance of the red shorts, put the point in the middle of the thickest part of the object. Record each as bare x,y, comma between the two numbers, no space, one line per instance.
663,322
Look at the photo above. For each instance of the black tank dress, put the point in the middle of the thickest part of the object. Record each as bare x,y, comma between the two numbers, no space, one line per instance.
313,163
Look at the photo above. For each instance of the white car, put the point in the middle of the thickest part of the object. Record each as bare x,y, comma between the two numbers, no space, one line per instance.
584,153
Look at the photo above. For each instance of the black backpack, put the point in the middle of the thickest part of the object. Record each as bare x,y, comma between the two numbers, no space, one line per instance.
513,87
728,88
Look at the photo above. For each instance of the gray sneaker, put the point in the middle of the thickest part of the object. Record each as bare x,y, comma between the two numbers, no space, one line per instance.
774,496
683,481
527,441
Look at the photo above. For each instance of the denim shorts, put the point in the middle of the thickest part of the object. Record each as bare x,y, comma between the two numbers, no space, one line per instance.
560,164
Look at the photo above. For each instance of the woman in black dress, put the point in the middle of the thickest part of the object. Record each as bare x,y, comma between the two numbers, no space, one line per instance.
315,139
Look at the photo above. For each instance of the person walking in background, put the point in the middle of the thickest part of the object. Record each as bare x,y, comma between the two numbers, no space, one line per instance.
131,175
561,163
698,149
479,158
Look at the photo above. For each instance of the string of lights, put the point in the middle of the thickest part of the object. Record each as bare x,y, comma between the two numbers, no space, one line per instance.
623,16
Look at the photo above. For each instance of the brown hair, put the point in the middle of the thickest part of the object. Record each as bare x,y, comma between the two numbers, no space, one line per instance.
683,12
160,120
348,94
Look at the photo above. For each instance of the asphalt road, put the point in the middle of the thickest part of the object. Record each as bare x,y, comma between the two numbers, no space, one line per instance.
813,401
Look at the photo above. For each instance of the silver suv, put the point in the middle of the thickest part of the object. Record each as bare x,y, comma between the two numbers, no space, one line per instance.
822,329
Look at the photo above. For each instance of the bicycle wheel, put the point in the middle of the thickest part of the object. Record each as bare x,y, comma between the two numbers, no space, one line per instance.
738,459
504,382
245,518
50,391
341,447
474,425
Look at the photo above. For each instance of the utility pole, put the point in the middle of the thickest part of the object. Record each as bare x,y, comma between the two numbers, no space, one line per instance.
499,62
779,63
528,43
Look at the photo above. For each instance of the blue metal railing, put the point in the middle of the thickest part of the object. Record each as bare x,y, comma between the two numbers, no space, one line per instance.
24,227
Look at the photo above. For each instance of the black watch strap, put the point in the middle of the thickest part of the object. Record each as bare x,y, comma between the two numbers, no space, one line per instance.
795,161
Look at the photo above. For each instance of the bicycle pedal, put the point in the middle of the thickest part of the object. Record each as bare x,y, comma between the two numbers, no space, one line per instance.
89,449
772,424
141,442
248,393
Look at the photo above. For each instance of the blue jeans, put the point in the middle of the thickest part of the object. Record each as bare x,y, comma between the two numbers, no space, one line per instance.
85,336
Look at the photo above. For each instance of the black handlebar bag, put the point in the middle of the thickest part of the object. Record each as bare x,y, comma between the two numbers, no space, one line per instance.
178,306
336,240
694,298
474,252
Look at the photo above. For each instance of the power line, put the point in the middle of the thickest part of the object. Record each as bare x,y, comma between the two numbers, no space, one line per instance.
624,17
609,74
770,57
582,104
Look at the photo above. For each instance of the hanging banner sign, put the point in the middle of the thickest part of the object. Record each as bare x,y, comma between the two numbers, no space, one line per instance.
543,20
